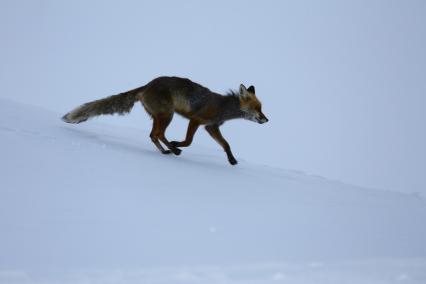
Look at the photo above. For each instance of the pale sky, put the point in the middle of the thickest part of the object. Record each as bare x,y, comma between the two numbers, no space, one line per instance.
342,82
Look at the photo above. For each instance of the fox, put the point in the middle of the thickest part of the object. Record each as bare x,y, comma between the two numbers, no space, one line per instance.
164,96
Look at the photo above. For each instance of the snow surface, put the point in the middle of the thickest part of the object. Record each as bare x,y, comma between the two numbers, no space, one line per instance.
95,203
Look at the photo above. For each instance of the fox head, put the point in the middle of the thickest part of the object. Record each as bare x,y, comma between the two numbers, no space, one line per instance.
250,105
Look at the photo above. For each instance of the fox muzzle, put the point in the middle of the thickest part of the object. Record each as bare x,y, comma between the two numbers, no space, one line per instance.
261,118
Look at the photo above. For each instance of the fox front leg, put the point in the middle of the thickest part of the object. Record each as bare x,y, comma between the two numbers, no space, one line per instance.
192,128
214,132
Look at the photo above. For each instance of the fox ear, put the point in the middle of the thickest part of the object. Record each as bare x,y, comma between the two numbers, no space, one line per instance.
243,90
251,89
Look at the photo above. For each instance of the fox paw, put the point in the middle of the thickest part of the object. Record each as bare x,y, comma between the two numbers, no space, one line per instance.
174,143
177,151
232,161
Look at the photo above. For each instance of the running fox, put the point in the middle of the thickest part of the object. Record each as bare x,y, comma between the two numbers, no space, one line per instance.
164,96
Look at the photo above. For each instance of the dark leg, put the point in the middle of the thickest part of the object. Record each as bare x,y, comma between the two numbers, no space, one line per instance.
214,132
192,128
164,121
154,137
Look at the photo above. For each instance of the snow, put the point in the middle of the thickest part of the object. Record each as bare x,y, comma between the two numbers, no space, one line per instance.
95,203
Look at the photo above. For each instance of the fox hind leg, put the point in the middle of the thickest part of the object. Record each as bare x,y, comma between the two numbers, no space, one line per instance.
161,121
154,138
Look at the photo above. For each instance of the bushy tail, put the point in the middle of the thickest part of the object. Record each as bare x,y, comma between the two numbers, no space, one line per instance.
121,104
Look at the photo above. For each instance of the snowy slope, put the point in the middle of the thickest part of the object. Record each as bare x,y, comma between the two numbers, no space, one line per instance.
93,203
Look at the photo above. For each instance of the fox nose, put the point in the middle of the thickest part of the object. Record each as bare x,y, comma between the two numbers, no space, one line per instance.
263,120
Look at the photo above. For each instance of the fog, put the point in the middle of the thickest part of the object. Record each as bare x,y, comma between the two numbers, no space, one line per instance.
342,82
